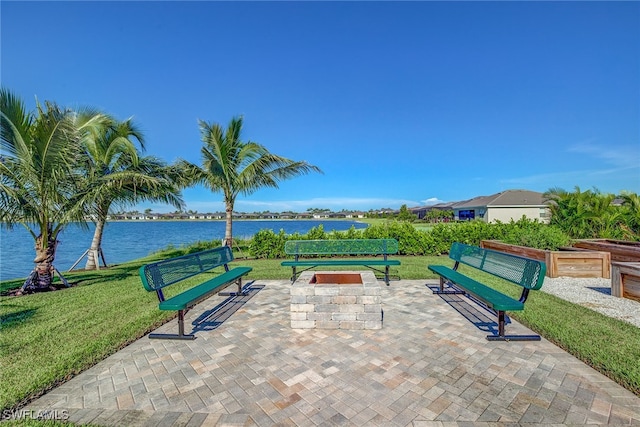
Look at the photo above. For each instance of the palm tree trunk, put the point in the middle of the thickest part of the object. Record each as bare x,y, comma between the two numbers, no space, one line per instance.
228,235
43,279
93,260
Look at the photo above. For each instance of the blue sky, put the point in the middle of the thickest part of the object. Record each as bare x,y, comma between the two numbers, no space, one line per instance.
397,102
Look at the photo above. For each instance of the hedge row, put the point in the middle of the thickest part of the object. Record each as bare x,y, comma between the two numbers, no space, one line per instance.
269,244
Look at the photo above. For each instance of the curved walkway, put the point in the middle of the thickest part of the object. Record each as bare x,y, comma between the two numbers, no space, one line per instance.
430,365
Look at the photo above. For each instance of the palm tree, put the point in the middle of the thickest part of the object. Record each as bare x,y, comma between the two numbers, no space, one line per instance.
569,211
585,214
631,209
40,185
116,174
233,166
605,219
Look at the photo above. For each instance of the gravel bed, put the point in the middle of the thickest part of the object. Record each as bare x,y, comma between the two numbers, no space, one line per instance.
594,294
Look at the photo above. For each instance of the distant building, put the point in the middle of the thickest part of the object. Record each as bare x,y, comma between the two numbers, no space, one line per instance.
505,206
421,211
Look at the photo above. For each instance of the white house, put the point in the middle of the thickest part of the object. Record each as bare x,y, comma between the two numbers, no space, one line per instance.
505,206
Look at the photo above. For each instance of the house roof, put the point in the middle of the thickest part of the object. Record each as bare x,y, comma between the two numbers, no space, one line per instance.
444,206
506,198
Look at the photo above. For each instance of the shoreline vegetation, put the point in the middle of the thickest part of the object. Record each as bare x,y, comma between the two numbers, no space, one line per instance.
41,350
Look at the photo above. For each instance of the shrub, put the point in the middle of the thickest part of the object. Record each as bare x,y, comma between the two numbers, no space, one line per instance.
351,233
267,244
535,235
470,233
412,241
317,233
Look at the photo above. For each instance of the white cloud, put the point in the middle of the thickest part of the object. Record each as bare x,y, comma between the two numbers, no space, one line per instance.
625,156
431,201
619,165
543,178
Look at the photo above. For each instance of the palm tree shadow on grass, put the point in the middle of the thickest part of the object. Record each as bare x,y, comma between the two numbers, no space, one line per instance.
75,279
91,277
116,272
214,318
14,319
473,310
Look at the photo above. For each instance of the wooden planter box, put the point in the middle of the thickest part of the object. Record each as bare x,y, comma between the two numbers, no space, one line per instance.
625,280
569,262
620,250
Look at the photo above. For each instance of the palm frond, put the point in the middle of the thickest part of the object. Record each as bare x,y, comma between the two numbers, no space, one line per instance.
14,124
233,166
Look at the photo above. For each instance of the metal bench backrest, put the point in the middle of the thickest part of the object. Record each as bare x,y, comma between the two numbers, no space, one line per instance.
341,247
528,273
157,275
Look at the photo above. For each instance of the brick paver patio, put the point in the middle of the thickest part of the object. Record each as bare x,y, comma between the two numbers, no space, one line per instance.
429,365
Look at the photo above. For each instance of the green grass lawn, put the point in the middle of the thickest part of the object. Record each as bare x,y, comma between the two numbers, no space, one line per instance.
49,337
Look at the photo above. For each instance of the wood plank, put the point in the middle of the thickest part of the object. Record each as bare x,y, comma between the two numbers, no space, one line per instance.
631,286
568,263
523,251
620,251
581,264
625,282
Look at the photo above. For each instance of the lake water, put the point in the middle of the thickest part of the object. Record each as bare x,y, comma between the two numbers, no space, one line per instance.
128,240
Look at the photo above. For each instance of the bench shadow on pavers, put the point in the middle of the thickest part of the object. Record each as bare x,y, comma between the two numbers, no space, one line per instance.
215,317
471,309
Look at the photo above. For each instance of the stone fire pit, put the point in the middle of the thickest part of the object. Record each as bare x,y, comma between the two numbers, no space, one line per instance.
336,300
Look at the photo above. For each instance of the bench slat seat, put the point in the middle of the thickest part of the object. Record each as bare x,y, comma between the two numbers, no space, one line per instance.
524,272
158,275
191,296
317,252
490,296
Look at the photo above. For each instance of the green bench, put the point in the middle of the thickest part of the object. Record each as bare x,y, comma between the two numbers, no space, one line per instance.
524,272
158,275
319,253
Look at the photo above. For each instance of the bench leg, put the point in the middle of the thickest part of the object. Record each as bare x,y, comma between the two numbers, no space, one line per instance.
293,278
442,291
502,337
240,291
501,323
180,335
238,282
386,275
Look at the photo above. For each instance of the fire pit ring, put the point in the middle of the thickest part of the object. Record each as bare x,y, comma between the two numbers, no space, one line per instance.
336,300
